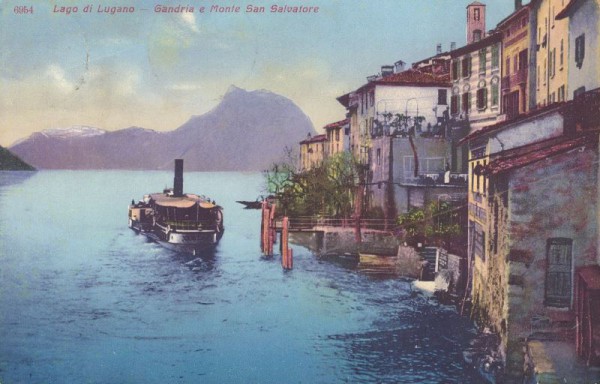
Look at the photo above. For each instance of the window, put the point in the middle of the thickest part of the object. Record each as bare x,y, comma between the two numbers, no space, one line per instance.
466,66
579,50
476,35
495,56
558,273
510,104
466,102
550,66
561,93
482,60
481,98
515,64
507,66
455,68
578,92
337,135
495,92
454,104
553,61
479,241
442,97
523,64
562,53
476,14
378,156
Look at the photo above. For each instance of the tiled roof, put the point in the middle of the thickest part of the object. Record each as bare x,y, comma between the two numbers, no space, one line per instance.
498,126
337,124
315,139
414,77
494,37
409,77
522,156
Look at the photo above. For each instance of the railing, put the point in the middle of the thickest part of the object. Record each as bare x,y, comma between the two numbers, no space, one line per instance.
516,78
311,222
437,179
188,225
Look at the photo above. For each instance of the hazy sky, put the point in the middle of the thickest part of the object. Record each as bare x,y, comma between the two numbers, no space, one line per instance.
155,70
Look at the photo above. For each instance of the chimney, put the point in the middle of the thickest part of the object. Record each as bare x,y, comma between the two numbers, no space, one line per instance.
518,4
453,45
178,180
399,66
387,70
438,49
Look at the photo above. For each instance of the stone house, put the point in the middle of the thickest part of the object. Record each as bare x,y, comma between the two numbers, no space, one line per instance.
533,215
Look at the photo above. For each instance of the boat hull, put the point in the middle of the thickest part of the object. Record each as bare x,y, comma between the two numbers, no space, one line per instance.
190,242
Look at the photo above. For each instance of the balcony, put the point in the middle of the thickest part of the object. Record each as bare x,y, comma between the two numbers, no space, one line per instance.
517,78
437,179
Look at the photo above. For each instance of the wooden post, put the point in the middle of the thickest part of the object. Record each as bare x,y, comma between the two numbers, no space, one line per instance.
262,226
267,231
286,253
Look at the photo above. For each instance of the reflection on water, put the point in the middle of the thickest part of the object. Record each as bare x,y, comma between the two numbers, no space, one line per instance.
85,299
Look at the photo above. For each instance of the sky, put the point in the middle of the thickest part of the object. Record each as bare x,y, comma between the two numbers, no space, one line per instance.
155,70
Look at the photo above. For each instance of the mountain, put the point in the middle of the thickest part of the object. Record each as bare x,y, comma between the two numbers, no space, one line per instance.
246,131
10,162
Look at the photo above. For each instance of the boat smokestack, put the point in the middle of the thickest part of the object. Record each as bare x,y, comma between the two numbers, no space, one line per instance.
178,180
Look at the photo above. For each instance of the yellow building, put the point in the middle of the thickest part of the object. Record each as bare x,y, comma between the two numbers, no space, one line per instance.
516,45
336,136
552,52
313,151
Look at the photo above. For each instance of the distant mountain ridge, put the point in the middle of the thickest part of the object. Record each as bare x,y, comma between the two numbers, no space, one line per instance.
246,131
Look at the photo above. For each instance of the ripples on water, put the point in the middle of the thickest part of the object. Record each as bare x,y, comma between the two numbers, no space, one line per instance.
85,300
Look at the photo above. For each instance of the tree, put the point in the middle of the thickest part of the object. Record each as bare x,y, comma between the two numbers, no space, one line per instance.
437,222
327,188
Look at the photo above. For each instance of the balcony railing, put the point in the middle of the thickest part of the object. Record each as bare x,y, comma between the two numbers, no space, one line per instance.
437,179
519,77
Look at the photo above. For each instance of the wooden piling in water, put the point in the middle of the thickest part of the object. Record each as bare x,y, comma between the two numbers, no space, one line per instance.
267,232
286,253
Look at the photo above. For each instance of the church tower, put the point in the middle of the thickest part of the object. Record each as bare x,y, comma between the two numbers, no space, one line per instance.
475,22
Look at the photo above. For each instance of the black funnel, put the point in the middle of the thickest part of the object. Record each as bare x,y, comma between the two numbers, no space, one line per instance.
178,181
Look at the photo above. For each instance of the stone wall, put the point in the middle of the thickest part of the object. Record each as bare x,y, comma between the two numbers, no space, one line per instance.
554,198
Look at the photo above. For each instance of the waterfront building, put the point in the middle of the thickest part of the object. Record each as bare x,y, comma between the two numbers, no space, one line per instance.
552,49
337,136
476,75
390,112
582,56
517,83
313,150
533,192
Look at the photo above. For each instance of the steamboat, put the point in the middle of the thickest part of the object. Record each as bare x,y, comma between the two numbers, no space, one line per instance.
180,221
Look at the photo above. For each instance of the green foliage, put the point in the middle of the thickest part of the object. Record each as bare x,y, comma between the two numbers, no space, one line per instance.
438,221
325,189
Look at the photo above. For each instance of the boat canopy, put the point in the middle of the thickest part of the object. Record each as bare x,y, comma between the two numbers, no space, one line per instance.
186,201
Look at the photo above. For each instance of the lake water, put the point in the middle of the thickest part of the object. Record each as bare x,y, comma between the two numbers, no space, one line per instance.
83,299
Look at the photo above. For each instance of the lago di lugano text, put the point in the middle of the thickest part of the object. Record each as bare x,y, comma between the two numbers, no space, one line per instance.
187,8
